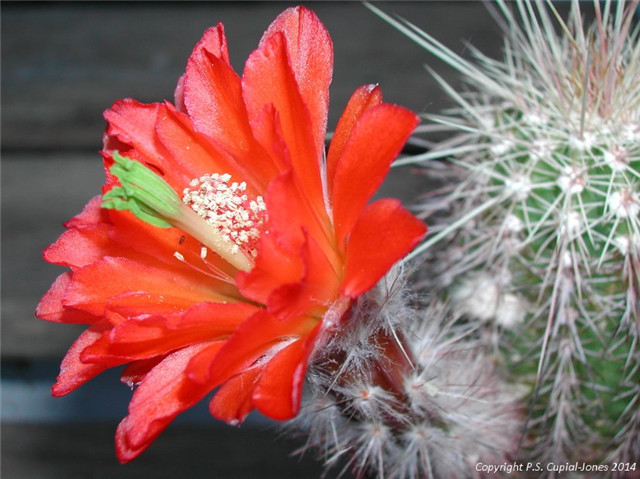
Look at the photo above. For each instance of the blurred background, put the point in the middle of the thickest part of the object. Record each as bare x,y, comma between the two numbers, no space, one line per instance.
62,65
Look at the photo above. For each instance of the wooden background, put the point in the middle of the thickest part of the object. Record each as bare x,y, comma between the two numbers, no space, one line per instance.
62,65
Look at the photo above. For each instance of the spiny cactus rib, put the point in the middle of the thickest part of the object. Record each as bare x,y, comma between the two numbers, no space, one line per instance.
536,233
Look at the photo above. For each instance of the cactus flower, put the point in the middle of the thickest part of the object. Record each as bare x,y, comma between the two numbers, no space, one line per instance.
226,247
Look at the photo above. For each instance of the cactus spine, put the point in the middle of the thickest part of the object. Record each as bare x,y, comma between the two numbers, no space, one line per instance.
536,232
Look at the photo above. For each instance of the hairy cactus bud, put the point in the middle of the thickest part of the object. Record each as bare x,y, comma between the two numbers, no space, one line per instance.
402,394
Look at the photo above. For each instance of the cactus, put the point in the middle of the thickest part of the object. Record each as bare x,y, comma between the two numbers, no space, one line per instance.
401,395
535,233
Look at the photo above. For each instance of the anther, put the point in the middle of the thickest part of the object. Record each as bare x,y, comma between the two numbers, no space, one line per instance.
227,208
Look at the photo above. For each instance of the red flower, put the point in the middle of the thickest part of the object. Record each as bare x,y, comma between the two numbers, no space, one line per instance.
236,283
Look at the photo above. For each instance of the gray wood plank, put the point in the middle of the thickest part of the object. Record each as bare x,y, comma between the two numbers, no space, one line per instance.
82,451
63,64
39,193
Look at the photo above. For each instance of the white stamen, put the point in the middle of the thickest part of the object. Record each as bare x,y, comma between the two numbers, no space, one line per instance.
228,209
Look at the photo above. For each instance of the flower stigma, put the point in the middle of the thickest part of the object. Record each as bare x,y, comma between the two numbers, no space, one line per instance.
232,223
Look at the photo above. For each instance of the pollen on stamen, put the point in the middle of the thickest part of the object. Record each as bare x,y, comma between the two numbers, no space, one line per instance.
227,208
212,271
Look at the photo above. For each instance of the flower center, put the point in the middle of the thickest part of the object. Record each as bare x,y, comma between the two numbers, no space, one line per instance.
227,208
232,223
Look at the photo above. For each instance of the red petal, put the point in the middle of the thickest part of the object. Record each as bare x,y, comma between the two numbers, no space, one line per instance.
279,389
268,133
178,95
292,271
128,305
290,216
214,41
93,286
73,372
376,139
137,127
189,154
287,213
81,246
150,336
274,267
123,235
134,123
51,307
91,214
317,287
384,234
213,96
268,79
310,53
233,402
252,340
363,98
134,373
199,367
164,393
